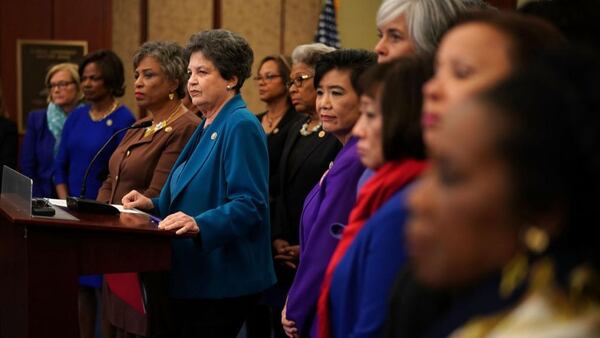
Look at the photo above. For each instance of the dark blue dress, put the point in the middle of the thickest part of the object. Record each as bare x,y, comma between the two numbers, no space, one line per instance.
81,139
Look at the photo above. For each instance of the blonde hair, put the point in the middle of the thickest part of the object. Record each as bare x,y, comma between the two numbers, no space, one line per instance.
72,69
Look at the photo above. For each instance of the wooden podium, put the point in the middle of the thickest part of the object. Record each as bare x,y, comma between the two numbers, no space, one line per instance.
41,258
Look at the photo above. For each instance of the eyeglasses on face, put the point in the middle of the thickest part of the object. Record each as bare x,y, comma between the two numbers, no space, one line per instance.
60,84
268,77
299,80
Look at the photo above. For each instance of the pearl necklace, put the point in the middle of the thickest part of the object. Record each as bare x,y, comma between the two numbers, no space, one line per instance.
304,130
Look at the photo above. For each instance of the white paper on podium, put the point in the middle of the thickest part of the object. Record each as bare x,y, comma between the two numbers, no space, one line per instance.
63,203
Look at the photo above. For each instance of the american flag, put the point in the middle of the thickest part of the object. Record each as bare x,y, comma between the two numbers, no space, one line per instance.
327,31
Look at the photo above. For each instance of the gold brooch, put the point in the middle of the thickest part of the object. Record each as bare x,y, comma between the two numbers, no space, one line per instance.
168,129
322,134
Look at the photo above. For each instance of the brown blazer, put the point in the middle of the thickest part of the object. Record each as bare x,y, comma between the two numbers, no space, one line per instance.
144,163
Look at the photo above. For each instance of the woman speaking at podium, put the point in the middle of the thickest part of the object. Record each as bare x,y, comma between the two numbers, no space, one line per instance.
217,190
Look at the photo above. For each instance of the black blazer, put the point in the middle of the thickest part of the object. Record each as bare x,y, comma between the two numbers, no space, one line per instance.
317,154
276,142
8,144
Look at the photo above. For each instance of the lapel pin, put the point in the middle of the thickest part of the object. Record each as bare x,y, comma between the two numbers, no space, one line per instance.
109,122
213,136
275,131
322,134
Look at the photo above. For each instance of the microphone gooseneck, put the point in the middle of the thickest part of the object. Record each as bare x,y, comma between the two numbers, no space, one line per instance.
144,124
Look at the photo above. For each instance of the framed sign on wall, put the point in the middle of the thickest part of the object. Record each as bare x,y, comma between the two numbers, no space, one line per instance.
34,58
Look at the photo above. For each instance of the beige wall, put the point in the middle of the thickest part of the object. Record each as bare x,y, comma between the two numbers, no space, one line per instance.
261,22
177,20
125,41
356,23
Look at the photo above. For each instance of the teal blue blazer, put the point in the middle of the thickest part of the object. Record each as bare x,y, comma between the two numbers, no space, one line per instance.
223,184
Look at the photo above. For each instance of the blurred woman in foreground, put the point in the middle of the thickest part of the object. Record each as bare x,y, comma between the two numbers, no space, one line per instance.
502,218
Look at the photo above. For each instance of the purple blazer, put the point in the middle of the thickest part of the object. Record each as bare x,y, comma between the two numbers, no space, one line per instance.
326,207
37,154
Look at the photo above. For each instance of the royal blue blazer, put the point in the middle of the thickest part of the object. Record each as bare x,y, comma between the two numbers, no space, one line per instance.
37,154
221,179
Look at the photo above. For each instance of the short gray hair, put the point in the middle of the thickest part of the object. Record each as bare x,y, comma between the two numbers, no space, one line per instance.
310,54
169,56
229,52
426,20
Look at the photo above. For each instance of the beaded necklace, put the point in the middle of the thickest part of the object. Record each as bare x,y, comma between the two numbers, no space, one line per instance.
304,130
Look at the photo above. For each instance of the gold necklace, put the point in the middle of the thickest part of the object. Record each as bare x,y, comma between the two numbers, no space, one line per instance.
110,111
164,123
271,121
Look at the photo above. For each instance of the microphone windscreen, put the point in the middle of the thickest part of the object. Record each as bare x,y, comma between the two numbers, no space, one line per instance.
144,124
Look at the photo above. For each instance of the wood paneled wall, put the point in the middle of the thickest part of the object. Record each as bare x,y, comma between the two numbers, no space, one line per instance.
89,20
271,26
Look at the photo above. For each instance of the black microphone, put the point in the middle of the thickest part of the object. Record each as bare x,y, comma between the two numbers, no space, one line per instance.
82,204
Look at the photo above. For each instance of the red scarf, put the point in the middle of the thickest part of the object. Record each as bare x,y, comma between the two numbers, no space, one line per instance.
388,179
127,287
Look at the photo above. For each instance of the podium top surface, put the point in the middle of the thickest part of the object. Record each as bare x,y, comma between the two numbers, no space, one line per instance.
124,222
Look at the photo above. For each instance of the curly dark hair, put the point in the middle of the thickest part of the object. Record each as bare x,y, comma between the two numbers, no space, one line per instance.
111,67
357,61
229,52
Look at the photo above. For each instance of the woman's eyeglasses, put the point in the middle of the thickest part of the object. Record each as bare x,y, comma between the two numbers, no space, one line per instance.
60,85
299,80
267,78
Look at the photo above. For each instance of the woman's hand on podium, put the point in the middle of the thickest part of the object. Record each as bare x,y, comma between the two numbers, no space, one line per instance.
134,199
181,222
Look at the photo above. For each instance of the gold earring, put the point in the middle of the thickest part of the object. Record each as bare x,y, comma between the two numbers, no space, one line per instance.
171,96
229,87
536,239
513,275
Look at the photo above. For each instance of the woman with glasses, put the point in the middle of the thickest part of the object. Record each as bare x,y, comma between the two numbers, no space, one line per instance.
272,79
328,204
44,128
307,154
85,131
